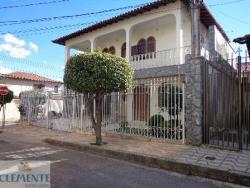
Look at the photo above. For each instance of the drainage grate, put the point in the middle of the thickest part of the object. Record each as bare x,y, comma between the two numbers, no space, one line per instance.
210,158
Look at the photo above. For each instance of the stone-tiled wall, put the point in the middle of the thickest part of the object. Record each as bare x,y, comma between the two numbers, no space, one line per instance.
193,101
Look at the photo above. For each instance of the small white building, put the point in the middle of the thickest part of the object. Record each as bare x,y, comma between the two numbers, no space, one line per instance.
23,81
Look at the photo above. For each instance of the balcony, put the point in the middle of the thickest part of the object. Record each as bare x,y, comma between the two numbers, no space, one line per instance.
167,57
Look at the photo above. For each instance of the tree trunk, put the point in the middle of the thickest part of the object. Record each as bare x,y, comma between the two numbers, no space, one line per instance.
96,116
98,126
3,120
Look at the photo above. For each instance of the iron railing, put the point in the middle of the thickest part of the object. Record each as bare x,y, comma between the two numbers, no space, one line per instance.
152,108
167,57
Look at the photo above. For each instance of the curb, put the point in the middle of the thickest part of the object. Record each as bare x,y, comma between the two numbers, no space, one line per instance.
166,164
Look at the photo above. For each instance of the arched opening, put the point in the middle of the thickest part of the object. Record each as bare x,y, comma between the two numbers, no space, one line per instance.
151,44
112,50
123,50
141,46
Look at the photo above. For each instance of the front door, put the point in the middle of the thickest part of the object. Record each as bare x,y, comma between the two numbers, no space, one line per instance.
141,103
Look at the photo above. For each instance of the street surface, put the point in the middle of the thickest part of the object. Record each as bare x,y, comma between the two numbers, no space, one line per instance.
72,169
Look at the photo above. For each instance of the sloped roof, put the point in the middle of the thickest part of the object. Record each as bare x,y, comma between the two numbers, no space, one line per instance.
242,40
206,18
30,76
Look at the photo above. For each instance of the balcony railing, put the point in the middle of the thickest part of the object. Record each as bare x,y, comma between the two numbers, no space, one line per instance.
160,58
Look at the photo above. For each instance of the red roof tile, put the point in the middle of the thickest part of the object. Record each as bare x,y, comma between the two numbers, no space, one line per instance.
30,76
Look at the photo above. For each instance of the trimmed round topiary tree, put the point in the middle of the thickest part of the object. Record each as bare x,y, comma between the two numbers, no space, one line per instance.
96,74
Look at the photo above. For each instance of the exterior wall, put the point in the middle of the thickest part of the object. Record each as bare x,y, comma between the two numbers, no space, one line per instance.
116,41
204,41
165,36
219,45
17,86
126,24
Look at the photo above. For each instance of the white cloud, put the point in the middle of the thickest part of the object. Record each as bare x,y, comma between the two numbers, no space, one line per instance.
14,51
11,39
4,70
33,46
16,47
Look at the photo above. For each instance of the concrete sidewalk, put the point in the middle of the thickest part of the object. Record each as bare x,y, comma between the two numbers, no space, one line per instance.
224,165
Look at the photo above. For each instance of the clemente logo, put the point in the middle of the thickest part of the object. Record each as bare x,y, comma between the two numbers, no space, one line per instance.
24,167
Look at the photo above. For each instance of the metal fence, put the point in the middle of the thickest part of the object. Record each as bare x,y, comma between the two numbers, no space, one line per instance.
226,104
152,108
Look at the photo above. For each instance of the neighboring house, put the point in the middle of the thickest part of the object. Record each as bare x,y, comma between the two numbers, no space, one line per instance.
154,39
23,81
245,66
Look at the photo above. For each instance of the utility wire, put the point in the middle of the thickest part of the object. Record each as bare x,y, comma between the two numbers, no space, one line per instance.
14,22
227,3
233,18
48,28
33,4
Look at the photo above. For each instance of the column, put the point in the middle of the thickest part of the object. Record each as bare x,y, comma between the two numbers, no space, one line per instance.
66,53
128,43
130,91
130,109
93,45
179,37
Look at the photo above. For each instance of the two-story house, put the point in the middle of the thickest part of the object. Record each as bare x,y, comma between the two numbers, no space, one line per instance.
154,39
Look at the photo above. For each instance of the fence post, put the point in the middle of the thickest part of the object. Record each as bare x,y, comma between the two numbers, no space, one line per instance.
29,111
48,106
240,102
81,111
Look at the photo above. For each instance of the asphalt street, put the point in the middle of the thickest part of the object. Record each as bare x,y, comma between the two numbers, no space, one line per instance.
73,169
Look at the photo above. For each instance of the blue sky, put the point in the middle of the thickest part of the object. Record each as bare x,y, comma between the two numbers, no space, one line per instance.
46,58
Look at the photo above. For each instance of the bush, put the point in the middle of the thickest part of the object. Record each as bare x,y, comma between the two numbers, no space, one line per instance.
21,110
6,99
171,99
124,124
155,120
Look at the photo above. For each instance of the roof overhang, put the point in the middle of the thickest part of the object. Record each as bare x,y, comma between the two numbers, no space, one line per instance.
244,40
206,18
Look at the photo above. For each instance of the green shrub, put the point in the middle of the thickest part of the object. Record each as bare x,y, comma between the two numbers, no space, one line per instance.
6,99
124,124
21,110
156,120
171,98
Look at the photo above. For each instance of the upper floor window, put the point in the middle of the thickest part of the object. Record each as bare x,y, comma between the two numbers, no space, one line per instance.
123,50
141,46
151,44
112,50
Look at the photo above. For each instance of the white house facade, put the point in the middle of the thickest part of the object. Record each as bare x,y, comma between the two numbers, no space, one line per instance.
155,39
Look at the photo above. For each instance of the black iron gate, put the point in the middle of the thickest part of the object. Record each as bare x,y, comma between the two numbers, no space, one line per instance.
226,102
